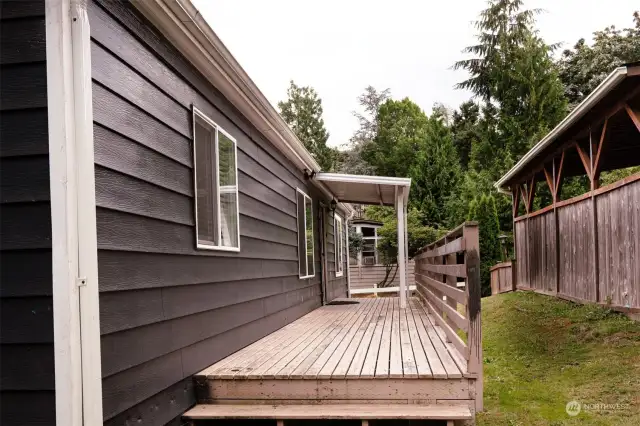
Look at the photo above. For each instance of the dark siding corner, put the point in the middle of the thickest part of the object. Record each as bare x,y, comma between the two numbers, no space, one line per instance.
168,310
26,313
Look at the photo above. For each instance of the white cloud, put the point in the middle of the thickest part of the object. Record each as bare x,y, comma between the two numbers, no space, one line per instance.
340,47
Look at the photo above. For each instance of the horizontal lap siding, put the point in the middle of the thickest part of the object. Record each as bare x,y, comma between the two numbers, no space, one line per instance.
619,245
27,382
168,310
576,250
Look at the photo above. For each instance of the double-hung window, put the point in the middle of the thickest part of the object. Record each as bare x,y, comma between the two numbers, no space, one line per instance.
216,185
305,235
338,234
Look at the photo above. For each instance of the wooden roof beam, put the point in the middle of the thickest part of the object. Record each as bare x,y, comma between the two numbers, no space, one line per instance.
634,115
597,163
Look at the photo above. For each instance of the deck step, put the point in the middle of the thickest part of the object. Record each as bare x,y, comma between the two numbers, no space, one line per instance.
329,412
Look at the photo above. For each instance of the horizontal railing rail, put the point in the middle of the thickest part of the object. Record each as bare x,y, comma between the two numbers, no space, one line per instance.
447,274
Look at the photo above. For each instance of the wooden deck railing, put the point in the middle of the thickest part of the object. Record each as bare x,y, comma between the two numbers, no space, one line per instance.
448,275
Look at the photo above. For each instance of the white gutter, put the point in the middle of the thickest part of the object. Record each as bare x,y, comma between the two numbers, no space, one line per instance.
365,179
589,102
76,328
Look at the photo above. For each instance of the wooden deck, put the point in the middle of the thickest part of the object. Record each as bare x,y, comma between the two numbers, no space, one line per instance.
369,339
361,352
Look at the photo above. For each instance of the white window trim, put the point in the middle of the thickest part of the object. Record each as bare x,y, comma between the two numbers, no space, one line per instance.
339,244
313,248
218,129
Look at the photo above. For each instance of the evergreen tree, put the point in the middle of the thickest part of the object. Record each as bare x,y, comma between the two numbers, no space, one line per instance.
483,210
436,173
465,130
302,111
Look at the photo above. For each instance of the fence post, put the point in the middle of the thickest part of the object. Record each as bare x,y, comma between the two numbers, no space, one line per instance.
471,237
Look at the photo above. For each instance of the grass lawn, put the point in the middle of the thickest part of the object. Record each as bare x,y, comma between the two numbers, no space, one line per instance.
541,352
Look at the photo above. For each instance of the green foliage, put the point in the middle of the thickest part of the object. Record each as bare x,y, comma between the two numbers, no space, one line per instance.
584,66
355,242
418,234
483,210
465,130
436,173
352,160
302,111
401,128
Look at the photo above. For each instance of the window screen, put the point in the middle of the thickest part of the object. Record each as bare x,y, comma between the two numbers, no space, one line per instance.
216,176
305,235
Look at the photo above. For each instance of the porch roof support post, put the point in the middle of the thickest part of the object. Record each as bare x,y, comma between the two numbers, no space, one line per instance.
406,249
402,262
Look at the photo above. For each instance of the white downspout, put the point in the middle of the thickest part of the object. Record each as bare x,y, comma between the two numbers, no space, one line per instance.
87,229
401,247
406,249
78,378
346,233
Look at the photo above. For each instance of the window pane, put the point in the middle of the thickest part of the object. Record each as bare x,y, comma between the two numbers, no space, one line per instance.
205,182
302,253
229,218
309,215
228,199
368,232
227,160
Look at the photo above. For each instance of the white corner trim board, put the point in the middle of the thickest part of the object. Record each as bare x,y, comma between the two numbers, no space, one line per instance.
78,378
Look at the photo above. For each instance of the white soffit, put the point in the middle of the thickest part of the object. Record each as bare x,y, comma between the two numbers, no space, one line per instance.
360,189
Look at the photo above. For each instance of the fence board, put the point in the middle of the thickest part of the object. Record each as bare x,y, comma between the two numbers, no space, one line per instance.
618,239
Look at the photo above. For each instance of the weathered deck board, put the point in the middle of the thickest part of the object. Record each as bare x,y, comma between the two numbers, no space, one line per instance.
368,340
328,412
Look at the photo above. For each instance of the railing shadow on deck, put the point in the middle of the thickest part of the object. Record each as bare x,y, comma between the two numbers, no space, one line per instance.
438,268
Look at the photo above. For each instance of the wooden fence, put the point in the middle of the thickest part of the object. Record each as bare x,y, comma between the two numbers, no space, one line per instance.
437,270
501,278
586,249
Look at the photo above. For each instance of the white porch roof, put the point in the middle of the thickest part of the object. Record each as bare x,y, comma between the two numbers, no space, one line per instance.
360,189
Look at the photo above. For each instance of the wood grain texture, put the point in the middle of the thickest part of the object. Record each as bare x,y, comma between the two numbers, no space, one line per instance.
11,9
329,412
24,179
24,132
27,394
23,86
22,41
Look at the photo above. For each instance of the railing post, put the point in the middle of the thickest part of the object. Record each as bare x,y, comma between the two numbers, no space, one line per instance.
471,237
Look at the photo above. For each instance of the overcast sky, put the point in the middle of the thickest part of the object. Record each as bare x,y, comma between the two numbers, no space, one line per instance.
340,47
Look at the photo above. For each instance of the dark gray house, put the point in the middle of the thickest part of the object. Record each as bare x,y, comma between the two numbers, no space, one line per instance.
156,213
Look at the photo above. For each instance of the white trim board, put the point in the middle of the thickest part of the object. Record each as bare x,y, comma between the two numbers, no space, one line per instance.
76,322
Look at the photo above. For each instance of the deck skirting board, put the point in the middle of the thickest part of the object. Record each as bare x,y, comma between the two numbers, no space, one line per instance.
331,390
